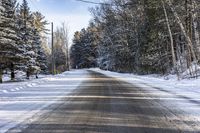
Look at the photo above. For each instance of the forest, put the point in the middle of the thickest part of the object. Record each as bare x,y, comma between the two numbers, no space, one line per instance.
142,37
24,43
134,36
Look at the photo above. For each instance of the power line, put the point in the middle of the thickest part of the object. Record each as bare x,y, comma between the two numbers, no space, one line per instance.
91,2
109,4
52,49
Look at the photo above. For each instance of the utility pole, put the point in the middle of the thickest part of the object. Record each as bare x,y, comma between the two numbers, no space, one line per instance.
52,50
68,65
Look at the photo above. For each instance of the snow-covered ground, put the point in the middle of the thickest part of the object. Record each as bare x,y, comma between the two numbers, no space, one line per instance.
189,87
20,101
20,76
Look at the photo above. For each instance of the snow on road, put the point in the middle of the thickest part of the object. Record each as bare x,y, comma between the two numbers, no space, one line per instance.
26,101
180,97
22,101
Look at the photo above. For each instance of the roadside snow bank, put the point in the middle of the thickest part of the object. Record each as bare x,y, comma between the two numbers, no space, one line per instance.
171,84
23,101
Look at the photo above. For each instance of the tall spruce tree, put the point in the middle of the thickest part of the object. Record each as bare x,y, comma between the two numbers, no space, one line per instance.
10,51
27,37
39,24
20,38
84,48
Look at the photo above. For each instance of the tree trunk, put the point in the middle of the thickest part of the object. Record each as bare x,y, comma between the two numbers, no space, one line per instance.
171,40
36,76
195,27
1,76
12,71
27,74
188,39
137,56
68,65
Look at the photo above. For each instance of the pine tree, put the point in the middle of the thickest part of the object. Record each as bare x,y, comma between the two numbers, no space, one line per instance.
10,51
75,51
41,59
26,35
84,48
20,39
39,24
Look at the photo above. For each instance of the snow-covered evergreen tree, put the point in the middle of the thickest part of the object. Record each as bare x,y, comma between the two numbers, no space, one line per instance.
11,52
84,48
40,63
26,35
20,38
39,24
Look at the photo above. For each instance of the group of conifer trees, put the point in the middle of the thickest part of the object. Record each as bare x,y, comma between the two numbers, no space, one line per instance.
20,39
141,36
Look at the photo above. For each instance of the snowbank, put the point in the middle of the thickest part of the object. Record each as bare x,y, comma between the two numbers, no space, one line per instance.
23,101
171,84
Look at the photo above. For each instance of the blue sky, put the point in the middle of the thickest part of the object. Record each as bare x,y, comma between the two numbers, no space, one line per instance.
74,13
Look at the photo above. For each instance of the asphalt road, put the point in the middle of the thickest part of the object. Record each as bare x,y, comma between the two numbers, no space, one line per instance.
107,105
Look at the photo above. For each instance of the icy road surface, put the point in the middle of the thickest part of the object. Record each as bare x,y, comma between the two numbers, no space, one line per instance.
23,102
103,104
